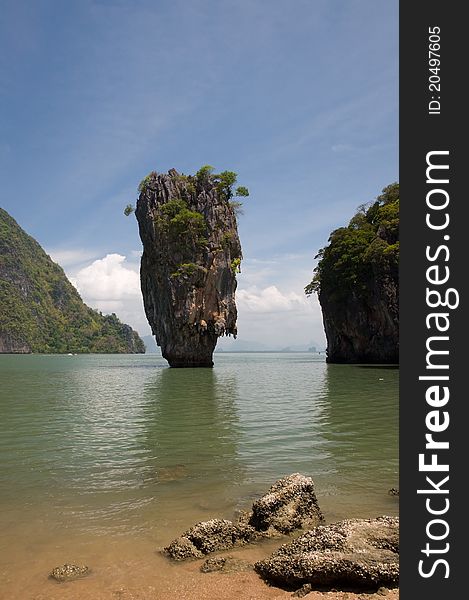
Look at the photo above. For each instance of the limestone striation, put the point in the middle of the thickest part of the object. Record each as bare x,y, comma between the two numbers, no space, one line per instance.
191,254
358,285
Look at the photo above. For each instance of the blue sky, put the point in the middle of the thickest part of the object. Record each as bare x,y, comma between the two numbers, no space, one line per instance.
299,97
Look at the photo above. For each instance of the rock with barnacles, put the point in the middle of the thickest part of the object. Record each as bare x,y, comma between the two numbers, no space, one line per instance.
288,505
68,572
209,536
357,553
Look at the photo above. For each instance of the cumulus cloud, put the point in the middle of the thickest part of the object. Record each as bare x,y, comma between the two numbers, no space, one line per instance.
270,299
112,285
107,280
278,317
272,308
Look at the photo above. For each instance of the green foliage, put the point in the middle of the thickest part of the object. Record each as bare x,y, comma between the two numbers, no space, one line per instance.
143,185
236,265
226,239
241,190
128,210
178,221
188,222
173,207
42,311
367,248
226,181
204,173
188,269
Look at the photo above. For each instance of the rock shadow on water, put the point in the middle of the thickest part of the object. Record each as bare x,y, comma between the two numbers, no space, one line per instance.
192,433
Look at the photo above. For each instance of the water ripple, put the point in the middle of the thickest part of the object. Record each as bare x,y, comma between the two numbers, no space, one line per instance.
112,443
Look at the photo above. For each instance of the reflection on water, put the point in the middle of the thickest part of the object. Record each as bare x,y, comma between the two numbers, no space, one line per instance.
122,445
362,431
191,429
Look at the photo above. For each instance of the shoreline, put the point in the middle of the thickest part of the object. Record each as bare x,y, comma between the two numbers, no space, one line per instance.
134,568
138,571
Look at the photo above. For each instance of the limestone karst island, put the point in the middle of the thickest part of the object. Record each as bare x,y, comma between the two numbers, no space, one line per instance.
191,256
357,281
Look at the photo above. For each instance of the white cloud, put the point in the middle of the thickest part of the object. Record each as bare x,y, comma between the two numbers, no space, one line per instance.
272,307
342,148
108,280
278,317
112,285
270,299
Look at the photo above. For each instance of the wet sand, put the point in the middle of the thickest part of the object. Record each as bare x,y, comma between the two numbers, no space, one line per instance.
134,569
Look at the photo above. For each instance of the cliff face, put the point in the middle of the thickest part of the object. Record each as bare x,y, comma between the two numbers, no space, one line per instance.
191,253
41,311
358,285
363,330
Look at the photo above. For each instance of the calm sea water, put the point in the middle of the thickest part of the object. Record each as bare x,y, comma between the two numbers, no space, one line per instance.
105,446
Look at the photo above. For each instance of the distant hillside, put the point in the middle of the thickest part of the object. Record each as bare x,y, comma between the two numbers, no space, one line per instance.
41,311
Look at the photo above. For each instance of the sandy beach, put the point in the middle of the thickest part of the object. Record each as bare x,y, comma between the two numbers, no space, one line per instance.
130,569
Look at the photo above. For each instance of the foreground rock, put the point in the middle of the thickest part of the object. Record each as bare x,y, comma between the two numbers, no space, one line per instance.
69,572
209,536
358,553
288,505
225,564
191,254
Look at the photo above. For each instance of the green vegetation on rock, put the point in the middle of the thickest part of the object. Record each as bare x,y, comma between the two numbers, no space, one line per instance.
357,283
41,311
224,182
236,265
188,270
129,209
359,252
179,222
142,186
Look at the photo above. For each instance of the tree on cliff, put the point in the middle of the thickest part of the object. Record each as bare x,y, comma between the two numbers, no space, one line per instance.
369,244
357,283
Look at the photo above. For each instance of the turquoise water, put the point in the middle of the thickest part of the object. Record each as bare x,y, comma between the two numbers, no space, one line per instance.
105,459
122,444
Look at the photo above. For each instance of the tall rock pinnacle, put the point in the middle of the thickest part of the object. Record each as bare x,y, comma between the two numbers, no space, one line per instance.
191,254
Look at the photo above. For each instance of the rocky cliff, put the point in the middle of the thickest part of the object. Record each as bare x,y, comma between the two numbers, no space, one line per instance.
191,253
41,311
358,287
